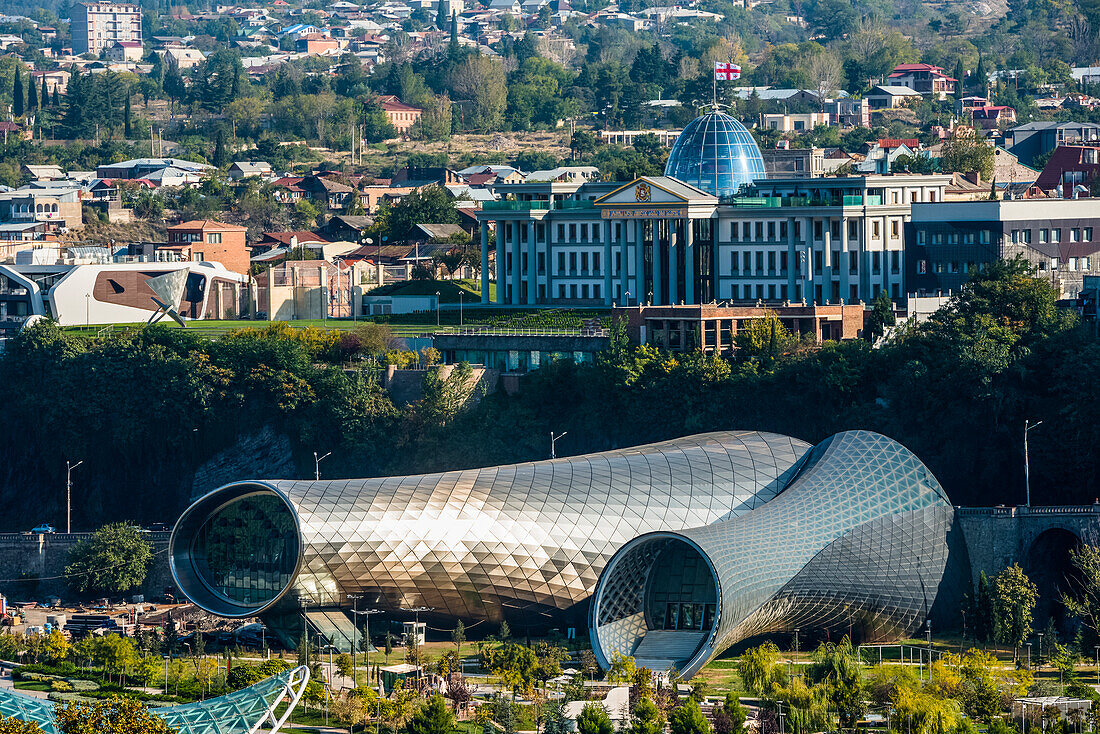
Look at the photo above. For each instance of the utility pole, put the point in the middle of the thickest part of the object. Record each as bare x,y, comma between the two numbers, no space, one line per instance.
1028,425
416,637
366,613
69,494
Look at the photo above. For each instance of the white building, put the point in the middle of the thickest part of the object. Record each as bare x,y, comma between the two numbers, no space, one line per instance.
98,26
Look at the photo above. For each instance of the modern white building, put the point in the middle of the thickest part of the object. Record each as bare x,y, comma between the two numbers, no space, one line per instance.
89,293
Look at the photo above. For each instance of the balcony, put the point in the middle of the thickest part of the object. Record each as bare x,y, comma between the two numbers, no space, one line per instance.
515,206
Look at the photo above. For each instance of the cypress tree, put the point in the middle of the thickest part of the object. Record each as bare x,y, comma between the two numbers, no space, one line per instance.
981,78
440,15
454,32
32,96
126,115
44,94
18,99
959,74
221,157
56,102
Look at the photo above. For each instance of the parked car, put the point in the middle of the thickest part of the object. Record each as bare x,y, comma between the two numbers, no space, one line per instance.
44,528
160,527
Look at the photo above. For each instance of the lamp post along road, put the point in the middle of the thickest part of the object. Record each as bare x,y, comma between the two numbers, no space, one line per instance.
317,464
553,443
69,494
416,637
1028,425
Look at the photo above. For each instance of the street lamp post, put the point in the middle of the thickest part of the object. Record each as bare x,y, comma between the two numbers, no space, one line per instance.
1040,649
416,637
460,306
437,309
317,464
553,442
1029,657
1028,425
69,494
1097,647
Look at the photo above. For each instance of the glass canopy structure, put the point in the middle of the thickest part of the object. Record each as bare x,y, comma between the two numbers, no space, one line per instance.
716,154
242,712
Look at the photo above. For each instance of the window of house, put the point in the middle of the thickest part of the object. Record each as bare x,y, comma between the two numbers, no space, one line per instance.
835,229
733,263
747,263
797,228
1055,236
596,291
874,229
561,290
618,262
214,238
783,230
508,261
734,227
584,232
771,263
817,262
817,230
584,291
1087,236
985,236
596,230
573,291
771,292
783,293
596,263
584,262
1075,235
771,231
760,293
746,232
853,229
1053,263
876,262
572,233
573,263
523,261
895,229
895,262
542,263
783,263
759,230
561,262
561,232
853,263
1043,234
759,262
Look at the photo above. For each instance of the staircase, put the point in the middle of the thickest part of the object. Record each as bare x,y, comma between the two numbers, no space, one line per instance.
659,650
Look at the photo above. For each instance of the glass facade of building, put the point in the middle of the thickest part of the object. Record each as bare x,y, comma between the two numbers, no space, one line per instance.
241,712
717,154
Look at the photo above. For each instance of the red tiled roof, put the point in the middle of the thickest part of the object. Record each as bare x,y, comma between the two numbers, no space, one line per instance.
207,224
302,236
898,142
393,104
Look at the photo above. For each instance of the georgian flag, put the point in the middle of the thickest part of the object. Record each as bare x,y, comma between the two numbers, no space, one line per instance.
726,72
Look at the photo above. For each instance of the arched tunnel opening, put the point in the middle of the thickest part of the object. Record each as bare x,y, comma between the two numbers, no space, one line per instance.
1050,567
657,600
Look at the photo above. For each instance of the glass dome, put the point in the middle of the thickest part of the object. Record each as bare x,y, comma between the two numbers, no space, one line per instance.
717,154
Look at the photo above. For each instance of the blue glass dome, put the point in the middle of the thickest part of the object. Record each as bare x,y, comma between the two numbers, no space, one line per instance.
717,154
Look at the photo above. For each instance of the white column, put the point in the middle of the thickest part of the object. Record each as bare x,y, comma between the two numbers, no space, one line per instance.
532,279
502,276
689,262
485,262
608,296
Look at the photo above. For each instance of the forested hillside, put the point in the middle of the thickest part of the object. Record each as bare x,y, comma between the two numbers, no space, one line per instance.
144,408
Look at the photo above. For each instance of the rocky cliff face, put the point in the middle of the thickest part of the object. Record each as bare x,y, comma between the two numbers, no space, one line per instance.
262,455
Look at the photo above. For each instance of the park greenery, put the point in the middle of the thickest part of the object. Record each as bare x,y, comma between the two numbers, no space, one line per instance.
116,558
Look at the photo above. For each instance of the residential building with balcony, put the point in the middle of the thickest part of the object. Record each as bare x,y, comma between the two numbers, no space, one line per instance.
96,27
54,207
200,240
928,79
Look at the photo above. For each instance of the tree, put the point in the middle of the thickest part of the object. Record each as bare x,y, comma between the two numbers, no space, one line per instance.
44,95
556,721
622,669
480,81
593,719
882,315
344,666
960,79
431,718
18,98
113,716
115,559
126,126
32,96
982,616
764,339
1014,599
688,719
221,156
646,719
759,669
966,152
13,725
458,635
735,712
1083,598
836,666
826,73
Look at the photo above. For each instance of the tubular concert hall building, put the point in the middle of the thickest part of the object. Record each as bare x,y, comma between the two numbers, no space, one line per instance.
671,551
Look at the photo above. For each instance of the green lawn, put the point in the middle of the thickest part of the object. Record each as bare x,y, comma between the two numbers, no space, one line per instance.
449,290
33,685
